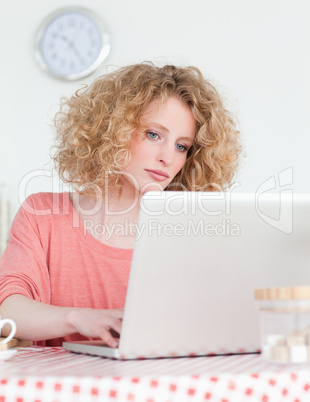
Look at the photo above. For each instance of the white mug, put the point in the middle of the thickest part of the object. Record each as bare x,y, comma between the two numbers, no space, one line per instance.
13,329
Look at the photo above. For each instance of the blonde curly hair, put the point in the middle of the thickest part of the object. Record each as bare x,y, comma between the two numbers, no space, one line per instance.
95,127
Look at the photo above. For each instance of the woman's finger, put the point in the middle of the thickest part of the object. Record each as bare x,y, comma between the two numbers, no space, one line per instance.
109,339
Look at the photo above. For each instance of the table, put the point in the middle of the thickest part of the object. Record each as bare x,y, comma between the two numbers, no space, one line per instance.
53,374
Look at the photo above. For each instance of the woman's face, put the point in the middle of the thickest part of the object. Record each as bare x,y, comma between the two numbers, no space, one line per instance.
160,152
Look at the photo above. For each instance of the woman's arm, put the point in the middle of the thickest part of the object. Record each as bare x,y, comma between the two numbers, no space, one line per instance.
38,321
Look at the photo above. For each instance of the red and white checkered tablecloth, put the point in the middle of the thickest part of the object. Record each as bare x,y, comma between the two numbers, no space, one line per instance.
53,374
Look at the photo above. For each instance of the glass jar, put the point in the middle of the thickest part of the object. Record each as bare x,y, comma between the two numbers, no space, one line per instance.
285,324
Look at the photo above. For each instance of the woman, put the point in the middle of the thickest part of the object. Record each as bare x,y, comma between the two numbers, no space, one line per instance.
64,273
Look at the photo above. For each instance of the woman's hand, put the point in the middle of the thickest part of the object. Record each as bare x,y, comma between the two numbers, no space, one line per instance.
37,321
98,324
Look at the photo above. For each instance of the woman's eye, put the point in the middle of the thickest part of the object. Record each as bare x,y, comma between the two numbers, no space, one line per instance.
152,135
181,147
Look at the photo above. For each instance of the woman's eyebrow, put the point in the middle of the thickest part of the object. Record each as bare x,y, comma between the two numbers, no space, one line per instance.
189,139
158,125
163,128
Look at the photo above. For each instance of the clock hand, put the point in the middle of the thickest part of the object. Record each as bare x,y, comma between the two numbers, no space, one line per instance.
65,39
71,45
77,54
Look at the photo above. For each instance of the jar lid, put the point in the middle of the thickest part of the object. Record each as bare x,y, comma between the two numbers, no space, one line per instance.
294,293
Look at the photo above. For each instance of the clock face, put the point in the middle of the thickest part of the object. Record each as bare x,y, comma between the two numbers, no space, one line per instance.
71,44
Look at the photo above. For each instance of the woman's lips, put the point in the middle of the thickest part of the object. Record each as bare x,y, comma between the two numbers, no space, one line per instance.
158,175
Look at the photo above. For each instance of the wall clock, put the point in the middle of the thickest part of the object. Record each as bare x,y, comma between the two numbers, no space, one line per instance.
71,43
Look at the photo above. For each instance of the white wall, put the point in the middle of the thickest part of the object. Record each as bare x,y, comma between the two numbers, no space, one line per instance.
257,52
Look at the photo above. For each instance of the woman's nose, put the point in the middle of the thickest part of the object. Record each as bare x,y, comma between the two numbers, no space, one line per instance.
166,154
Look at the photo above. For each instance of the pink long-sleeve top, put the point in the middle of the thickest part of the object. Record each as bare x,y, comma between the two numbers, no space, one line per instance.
53,259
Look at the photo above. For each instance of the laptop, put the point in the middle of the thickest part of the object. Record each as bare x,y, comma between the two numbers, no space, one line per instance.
198,258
